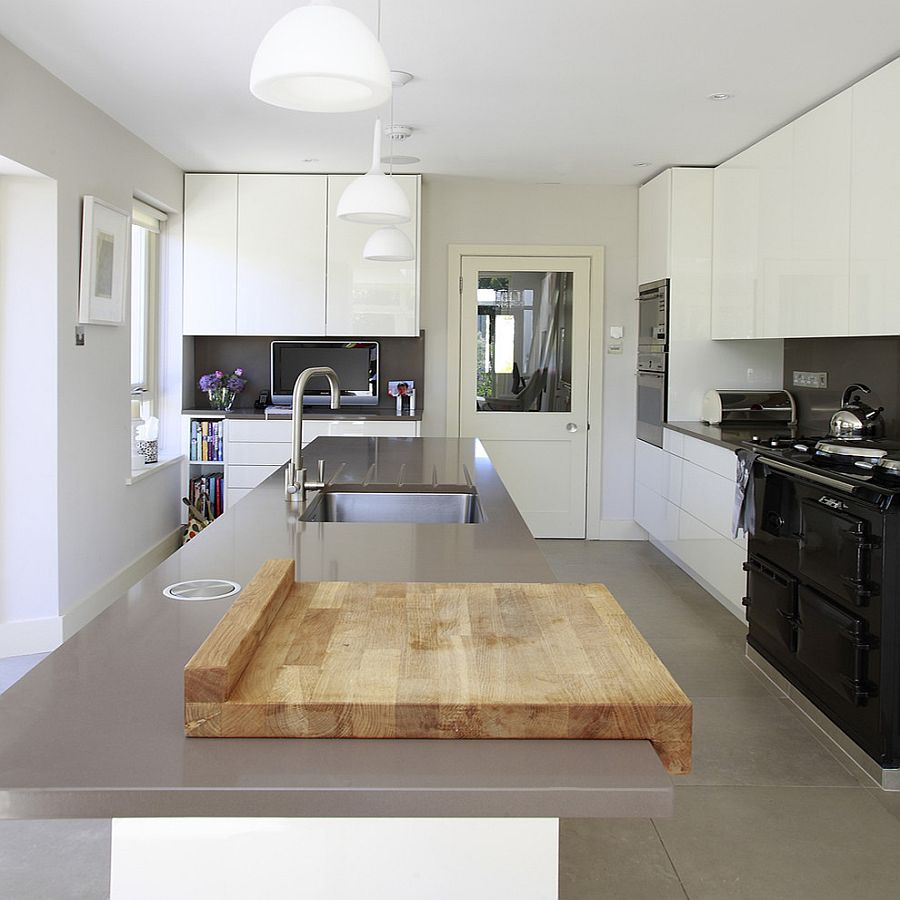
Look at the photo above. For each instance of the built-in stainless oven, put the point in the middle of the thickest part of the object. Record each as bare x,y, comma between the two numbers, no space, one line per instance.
653,316
652,363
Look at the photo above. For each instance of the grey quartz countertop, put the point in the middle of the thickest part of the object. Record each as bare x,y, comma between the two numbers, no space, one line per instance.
729,437
96,729
358,413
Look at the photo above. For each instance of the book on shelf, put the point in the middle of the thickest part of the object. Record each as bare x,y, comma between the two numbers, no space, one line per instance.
211,487
207,440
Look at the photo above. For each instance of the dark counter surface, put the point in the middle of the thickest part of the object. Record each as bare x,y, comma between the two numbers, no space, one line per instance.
96,729
728,436
357,413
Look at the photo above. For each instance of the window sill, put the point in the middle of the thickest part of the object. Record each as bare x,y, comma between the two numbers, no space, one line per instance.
152,468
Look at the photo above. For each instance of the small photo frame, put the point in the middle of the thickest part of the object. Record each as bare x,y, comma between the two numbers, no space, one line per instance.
400,388
105,238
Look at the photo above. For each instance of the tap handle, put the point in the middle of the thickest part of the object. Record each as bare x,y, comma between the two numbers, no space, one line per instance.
321,471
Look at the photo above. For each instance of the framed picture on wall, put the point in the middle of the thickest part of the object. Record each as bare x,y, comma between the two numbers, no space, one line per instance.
105,236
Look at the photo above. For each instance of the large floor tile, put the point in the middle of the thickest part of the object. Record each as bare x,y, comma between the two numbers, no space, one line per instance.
758,741
803,843
705,668
65,859
614,858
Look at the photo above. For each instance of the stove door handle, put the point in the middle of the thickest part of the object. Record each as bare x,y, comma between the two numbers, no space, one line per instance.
833,483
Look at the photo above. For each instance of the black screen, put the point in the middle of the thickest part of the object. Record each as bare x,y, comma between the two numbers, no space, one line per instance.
356,365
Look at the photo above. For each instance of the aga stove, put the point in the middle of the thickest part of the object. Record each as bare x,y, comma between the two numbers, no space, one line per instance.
822,580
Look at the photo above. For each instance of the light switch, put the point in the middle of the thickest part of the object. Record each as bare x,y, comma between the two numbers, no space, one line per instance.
616,332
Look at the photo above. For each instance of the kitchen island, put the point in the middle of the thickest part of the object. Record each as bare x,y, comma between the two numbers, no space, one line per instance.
96,729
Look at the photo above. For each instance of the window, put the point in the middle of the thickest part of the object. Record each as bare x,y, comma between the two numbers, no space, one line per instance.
146,229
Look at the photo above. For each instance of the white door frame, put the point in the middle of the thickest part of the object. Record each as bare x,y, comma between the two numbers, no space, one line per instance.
595,348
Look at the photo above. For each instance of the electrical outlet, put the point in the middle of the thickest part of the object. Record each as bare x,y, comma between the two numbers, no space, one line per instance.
810,379
79,335
614,347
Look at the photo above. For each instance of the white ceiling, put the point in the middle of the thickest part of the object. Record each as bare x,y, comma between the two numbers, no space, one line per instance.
573,91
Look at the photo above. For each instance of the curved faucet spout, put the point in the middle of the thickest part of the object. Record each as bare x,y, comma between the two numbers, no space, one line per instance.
295,477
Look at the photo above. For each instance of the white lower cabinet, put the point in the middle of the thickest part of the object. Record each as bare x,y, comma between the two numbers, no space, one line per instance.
684,497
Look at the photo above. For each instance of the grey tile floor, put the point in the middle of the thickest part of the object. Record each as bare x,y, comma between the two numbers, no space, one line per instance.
770,810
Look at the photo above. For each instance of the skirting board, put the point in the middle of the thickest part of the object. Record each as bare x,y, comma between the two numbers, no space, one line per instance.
28,636
619,530
737,611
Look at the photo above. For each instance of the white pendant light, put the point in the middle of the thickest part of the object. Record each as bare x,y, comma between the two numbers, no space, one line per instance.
389,244
374,199
320,58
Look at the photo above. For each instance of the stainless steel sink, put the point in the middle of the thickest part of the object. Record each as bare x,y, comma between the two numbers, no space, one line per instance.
441,504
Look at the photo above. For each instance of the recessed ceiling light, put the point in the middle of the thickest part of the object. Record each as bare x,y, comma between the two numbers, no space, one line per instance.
400,160
721,95
641,165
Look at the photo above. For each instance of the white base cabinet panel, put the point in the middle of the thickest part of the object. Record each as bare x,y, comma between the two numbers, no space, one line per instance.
684,497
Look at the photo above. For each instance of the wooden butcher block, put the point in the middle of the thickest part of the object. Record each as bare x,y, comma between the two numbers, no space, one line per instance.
368,660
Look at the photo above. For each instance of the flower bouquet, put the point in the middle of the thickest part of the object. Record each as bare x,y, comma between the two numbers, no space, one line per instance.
222,388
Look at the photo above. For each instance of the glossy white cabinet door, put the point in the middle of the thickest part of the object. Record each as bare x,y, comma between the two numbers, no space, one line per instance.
281,254
736,198
875,204
774,157
813,293
654,221
366,297
210,253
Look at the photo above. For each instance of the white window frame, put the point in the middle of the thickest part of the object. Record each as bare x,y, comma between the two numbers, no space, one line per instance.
152,221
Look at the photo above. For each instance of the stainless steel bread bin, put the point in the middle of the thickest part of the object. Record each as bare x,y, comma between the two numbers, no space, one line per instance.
737,407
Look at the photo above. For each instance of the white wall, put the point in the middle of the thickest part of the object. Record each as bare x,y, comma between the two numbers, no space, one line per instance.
28,377
104,524
475,211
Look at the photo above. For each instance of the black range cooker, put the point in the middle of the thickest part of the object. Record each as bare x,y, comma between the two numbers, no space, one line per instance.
822,579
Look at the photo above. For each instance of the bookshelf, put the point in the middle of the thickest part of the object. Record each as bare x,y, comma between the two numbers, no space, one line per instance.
204,441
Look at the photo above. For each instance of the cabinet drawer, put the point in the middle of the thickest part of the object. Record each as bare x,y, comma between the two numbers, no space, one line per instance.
709,456
707,497
232,495
266,431
716,559
258,454
248,476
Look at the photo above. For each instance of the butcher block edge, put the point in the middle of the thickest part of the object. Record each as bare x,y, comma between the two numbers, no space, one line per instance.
652,707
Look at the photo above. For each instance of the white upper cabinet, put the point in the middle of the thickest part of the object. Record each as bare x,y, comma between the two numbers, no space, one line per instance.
654,227
210,253
281,254
781,231
813,292
365,297
875,204
266,255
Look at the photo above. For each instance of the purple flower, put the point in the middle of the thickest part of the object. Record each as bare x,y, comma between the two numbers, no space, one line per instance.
219,374
210,382
238,372
233,383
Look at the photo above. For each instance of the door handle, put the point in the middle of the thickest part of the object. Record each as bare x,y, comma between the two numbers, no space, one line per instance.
571,427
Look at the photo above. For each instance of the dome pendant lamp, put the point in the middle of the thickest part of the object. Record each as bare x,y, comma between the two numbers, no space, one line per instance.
320,58
375,198
389,244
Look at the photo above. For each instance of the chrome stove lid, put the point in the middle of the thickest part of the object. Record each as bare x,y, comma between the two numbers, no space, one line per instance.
889,465
851,449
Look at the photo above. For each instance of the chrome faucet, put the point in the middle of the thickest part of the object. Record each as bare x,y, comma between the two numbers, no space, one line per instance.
295,483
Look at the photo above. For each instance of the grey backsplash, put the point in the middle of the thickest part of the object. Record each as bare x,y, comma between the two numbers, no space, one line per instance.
873,361
399,358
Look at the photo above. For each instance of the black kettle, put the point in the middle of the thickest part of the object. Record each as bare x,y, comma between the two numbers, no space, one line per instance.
856,419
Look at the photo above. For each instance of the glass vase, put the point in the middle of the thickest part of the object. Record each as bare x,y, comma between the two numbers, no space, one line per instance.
221,398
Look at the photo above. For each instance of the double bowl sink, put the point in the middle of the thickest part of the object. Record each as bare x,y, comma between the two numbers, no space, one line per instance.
450,504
